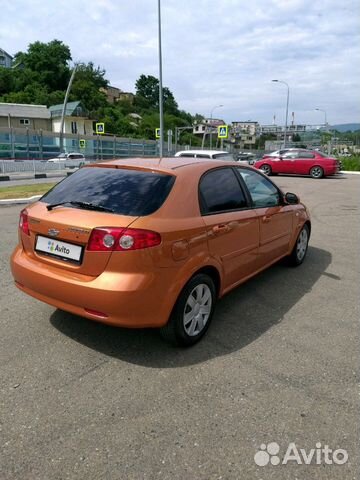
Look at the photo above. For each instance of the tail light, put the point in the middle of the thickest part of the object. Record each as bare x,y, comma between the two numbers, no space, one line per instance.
108,239
24,222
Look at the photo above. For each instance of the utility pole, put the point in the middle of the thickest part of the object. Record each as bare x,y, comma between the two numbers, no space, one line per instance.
64,108
161,110
287,109
211,116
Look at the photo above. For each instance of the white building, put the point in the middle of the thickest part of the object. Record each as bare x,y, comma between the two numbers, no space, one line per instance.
76,120
206,125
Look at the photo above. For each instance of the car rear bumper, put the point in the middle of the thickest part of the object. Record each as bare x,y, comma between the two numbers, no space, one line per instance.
134,300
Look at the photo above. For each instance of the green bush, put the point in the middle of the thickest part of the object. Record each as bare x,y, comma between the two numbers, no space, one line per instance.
351,163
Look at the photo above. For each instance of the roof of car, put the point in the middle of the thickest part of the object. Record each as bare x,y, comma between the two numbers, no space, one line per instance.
165,165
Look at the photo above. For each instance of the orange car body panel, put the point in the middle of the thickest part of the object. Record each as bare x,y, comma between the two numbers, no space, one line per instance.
139,288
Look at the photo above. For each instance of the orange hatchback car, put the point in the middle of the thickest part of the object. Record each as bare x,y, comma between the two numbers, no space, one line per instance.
143,243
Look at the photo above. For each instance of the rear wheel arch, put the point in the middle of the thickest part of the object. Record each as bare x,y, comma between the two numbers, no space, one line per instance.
213,273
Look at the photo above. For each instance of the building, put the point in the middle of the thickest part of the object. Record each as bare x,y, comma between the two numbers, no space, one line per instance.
244,134
16,115
207,125
5,59
76,120
114,94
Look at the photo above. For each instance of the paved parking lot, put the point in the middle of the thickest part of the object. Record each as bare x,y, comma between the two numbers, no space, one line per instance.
80,400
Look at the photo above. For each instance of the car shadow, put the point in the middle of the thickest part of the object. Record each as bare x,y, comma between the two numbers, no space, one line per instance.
240,318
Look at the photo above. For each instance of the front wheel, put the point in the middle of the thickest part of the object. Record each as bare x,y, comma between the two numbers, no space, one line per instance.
192,312
298,254
266,169
316,172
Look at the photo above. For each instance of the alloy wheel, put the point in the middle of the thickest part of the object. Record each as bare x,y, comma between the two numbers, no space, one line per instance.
266,169
197,309
302,243
316,172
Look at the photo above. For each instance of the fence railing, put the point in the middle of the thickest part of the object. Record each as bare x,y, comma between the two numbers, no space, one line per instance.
26,144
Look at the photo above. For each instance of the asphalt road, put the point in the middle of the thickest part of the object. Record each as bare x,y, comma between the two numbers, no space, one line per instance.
80,400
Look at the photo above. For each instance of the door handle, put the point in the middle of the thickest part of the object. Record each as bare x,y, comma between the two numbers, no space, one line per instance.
222,228
266,218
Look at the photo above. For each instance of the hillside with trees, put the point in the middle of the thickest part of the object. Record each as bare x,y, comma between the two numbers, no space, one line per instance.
41,75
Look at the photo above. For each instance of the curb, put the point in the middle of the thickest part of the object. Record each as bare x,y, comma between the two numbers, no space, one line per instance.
7,178
350,172
16,201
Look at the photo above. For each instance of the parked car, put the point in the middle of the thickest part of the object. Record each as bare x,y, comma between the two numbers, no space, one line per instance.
70,159
248,157
119,243
300,162
214,154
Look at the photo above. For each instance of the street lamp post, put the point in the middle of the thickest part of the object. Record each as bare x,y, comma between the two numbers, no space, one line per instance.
325,115
64,108
161,110
287,108
326,128
211,116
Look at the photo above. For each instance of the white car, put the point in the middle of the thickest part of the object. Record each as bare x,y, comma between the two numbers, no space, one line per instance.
64,157
214,154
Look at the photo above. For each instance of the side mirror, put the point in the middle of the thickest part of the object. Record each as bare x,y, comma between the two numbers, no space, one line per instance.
291,198
280,157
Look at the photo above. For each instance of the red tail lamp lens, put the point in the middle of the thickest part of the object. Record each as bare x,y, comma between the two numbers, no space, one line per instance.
108,239
24,222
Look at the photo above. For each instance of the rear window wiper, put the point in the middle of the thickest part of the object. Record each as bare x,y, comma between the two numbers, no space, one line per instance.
85,205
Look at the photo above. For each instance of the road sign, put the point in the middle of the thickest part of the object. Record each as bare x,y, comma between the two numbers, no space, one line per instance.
223,131
82,143
100,128
157,132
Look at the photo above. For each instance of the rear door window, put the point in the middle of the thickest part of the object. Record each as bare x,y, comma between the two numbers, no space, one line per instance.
220,191
127,192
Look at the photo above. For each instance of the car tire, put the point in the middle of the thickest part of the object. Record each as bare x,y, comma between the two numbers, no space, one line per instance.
316,172
266,169
192,313
299,251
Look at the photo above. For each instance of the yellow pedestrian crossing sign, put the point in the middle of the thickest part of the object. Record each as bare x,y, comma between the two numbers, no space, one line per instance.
100,128
157,132
223,131
82,143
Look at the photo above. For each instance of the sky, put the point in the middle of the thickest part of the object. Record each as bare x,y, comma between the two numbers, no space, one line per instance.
223,52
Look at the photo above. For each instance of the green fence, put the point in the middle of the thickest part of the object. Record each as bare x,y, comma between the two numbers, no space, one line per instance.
16,143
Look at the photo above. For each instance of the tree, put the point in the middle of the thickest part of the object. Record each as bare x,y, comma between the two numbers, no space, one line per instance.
50,61
147,95
86,87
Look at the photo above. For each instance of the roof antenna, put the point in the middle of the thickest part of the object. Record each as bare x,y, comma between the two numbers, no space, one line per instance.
161,110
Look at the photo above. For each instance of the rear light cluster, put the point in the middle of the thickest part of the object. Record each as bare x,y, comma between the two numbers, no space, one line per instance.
109,239
24,222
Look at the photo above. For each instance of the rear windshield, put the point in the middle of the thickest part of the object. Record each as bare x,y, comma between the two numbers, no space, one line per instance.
127,192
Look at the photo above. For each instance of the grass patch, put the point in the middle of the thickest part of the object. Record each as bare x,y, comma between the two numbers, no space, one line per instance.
25,191
351,163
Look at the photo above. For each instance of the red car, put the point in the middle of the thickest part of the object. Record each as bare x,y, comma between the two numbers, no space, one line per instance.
300,162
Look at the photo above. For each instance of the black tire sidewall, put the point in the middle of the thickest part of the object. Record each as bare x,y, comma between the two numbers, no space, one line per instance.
177,315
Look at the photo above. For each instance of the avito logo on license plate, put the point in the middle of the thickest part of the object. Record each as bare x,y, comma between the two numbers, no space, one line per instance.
58,248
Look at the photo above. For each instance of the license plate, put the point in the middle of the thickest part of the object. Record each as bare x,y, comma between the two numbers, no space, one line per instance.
57,248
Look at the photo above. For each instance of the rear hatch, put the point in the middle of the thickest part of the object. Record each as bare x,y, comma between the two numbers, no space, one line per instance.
60,230
60,237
